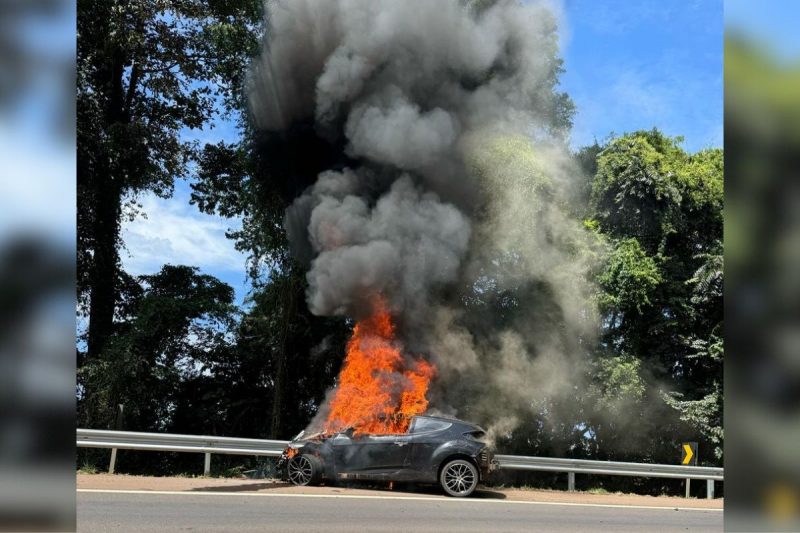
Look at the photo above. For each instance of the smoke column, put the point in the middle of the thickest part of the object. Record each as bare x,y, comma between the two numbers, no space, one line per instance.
453,203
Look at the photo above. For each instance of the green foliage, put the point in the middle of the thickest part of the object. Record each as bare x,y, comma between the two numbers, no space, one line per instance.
630,277
178,321
302,353
635,190
618,383
660,210
703,415
701,407
88,469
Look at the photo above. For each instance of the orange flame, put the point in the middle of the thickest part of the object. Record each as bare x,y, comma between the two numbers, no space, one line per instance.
379,389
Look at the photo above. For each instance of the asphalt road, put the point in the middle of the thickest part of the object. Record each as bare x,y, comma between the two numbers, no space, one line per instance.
208,511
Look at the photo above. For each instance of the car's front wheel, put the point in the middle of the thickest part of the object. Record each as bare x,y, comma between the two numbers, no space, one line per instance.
305,470
459,478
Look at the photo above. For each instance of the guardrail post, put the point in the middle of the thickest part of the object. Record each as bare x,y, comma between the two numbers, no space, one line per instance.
571,481
688,485
710,489
207,465
117,426
113,463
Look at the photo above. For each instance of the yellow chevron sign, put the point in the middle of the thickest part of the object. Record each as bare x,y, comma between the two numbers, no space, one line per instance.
689,453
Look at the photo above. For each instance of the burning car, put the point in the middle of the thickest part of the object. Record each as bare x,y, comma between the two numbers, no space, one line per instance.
439,450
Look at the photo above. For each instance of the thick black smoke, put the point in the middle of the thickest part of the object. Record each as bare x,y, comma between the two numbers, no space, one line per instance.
455,193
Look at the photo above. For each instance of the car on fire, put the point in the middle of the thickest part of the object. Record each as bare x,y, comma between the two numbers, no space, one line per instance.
435,449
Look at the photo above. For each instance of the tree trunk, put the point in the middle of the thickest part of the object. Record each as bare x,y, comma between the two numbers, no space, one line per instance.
281,369
104,266
107,199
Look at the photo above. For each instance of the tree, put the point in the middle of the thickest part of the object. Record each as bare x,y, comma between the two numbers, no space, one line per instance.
702,408
635,191
176,323
146,72
301,352
660,210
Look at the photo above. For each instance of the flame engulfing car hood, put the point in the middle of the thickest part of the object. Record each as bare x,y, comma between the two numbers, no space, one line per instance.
473,430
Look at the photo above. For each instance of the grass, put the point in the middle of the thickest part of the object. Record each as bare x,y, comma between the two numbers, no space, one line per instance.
235,472
594,490
88,469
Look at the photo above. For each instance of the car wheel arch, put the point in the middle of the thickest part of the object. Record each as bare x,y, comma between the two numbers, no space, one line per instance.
453,457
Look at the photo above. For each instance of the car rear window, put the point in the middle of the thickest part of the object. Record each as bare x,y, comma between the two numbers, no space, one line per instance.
425,425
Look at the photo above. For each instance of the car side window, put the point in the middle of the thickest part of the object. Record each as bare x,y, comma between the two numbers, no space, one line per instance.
427,425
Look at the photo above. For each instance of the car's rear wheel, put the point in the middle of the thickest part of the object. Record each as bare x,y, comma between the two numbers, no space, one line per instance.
305,470
459,478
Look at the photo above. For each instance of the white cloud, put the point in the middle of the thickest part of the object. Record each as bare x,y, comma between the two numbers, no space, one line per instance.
648,99
176,232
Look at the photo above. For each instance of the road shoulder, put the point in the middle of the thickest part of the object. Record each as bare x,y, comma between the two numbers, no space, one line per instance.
113,482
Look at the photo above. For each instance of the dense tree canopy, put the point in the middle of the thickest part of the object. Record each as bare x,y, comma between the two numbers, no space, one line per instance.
660,210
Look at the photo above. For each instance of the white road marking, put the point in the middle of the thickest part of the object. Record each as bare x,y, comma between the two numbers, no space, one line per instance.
372,497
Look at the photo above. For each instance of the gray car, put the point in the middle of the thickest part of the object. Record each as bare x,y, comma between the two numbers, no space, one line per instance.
439,450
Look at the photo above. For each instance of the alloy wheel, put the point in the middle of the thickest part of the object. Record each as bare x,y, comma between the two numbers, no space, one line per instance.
459,478
300,470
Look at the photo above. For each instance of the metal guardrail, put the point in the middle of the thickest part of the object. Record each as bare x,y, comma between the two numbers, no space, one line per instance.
169,442
612,468
166,442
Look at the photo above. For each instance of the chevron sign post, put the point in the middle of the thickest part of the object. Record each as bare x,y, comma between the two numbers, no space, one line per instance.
689,453
688,457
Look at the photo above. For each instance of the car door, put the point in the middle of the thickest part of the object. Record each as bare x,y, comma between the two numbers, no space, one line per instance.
426,437
371,453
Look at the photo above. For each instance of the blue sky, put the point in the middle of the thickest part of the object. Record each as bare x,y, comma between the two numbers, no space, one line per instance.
635,65
629,65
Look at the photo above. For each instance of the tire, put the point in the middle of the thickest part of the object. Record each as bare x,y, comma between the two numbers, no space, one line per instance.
304,470
458,478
